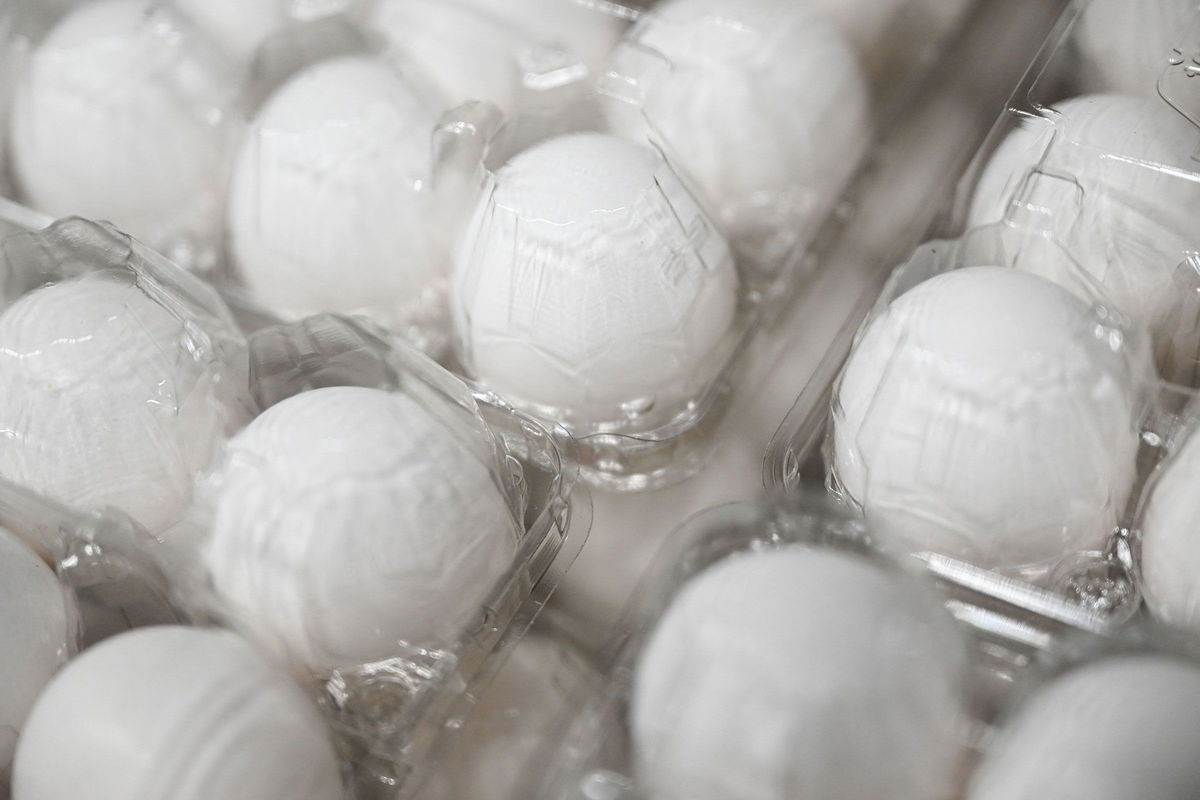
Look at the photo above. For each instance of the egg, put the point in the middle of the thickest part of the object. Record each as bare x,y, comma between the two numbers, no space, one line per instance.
107,400
1124,45
1170,555
123,113
591,283
762,104
179,713
329,203
799,673
482,50
37,629
1121,207
348,521
984,416
1124,728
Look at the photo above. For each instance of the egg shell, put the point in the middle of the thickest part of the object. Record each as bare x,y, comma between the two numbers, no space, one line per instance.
122,113
732,92
1121,207
1170,547
1123,45
590,281
179,713
348,522
1125,728
979,416
37,631
800,673
103,403
329,207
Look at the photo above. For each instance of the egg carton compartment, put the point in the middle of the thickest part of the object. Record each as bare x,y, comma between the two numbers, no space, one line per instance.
391,711
592,752
1105,716
117,362
1098,150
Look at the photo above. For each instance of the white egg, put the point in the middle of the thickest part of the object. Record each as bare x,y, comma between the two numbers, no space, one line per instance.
123,114
347,521
1122,208
800,673
328,210
1125,728
103,403
476,50
590,282
1170,524
171,712
1123,45
36,628
761,103
980,417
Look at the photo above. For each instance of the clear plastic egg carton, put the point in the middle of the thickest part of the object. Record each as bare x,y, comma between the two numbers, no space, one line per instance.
387,715
291,218
591,754
1070,186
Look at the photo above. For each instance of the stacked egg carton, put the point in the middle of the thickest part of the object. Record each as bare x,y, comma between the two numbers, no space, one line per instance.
220,465
1093,192
373,157
773,651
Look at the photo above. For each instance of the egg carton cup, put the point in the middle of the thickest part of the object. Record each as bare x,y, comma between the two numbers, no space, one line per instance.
645,440
1098,713
391,718
174,362
1009,632
1104,582
1098,149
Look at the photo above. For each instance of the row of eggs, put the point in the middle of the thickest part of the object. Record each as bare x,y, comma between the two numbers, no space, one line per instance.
587,281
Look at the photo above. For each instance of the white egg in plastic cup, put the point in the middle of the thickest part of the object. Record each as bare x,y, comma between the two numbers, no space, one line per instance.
1111,717
124,110
382,530
771,651
123,372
